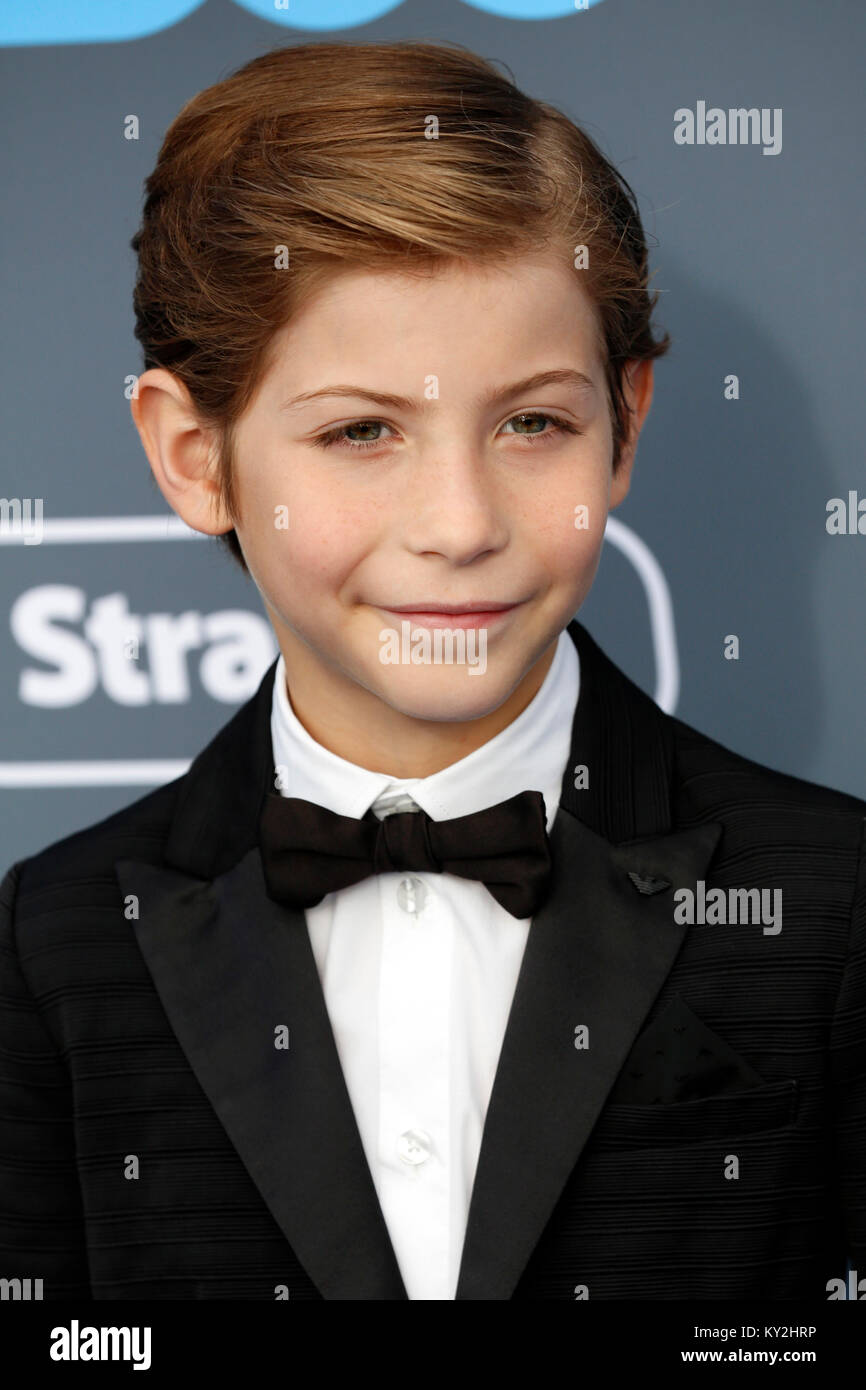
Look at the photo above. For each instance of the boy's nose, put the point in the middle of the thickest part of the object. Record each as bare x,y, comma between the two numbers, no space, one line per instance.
454,509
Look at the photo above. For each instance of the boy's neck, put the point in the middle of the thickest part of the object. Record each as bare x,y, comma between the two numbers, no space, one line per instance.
357,726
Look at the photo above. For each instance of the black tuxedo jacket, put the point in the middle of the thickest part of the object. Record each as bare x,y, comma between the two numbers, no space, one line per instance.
679,1111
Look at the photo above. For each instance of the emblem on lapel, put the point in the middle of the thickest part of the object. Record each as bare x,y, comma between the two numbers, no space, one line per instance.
649,884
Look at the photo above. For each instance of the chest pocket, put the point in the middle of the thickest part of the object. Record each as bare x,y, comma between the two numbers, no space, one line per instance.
770,1106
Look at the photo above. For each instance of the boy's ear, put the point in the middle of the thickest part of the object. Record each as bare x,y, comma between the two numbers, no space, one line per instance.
638,391
180,450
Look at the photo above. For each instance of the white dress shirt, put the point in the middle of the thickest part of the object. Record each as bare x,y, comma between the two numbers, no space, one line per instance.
418,970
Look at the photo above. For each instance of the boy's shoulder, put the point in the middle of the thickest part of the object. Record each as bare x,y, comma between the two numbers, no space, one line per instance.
705,778
85,859
716,778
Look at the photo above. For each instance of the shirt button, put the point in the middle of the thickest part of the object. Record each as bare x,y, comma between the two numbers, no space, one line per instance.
414,1146
411,894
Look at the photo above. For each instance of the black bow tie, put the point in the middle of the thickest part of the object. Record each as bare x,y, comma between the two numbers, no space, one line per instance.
308,851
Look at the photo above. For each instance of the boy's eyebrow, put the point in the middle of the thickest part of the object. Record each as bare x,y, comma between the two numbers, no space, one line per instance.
558,376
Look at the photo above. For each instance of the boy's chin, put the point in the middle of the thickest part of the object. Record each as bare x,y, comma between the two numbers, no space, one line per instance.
452,695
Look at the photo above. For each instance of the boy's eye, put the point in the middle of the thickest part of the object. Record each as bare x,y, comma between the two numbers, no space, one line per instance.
362,426
340,435
560,426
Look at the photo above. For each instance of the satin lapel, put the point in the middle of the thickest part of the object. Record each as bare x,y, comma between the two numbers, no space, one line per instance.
231,966
597,955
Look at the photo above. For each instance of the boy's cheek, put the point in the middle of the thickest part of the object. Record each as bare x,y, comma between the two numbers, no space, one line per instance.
289,550
575,517
573,547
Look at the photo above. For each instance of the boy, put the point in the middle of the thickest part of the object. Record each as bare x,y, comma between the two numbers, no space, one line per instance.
400,992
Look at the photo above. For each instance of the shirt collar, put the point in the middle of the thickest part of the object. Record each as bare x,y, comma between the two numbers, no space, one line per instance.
530,753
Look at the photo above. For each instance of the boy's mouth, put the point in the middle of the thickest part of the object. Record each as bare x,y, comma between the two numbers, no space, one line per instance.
482,613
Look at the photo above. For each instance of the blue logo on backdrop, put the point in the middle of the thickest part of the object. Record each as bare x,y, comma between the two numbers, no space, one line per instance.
107,21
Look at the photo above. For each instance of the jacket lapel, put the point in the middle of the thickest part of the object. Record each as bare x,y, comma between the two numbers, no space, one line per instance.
597,955
231,966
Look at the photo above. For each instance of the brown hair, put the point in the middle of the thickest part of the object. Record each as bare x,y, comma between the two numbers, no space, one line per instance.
321,148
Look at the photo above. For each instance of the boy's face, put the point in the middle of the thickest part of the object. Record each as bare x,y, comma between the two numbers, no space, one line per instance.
457,500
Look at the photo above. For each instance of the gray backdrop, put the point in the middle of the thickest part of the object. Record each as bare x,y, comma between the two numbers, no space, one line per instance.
759,261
